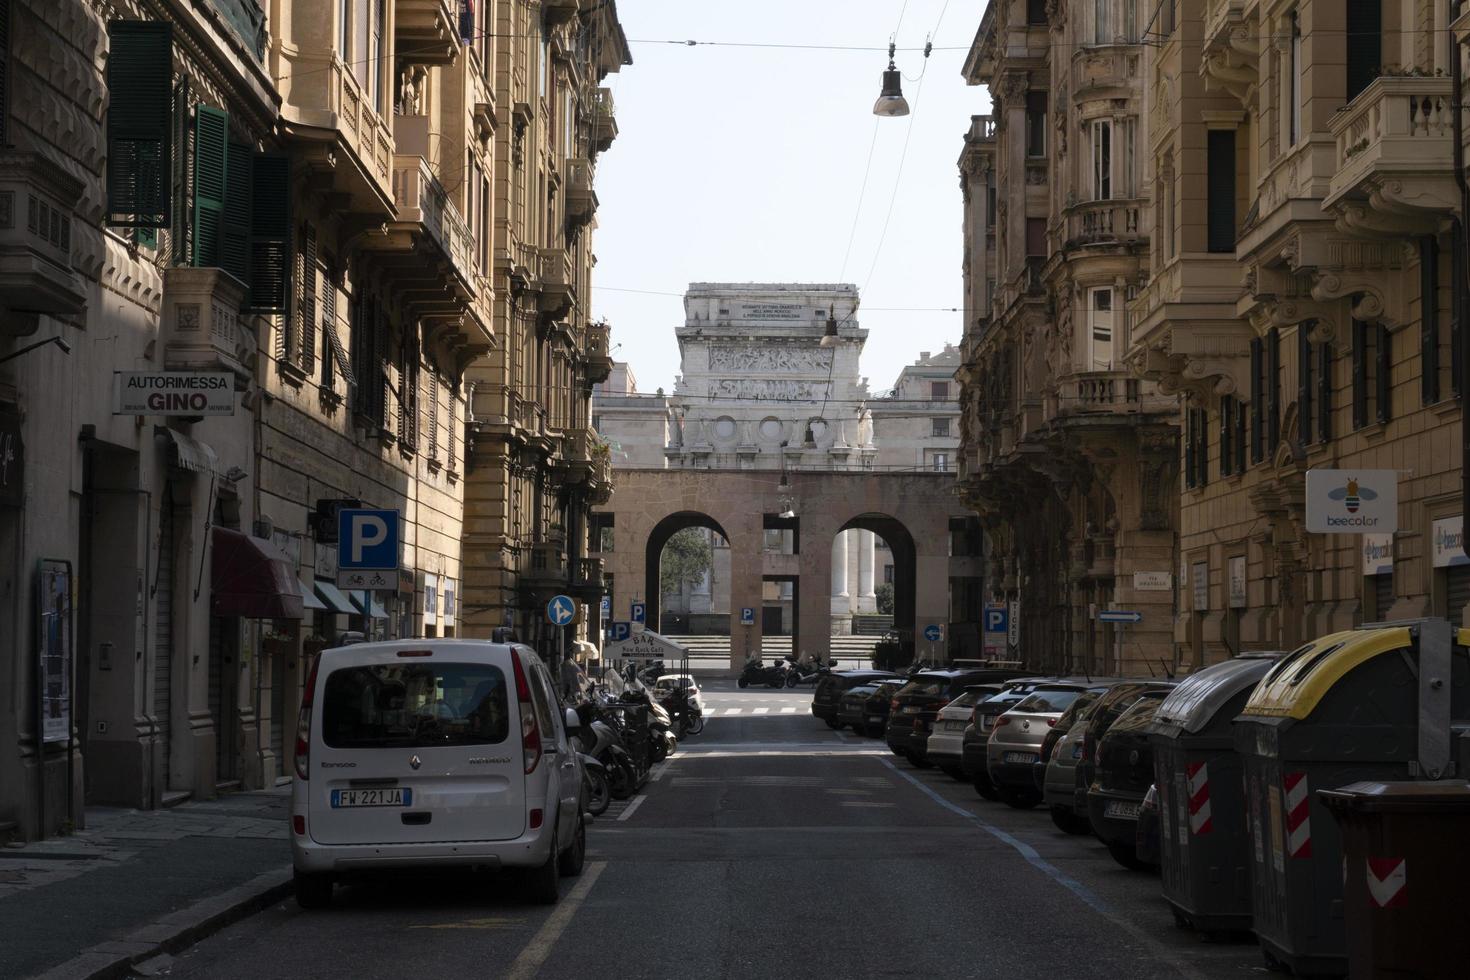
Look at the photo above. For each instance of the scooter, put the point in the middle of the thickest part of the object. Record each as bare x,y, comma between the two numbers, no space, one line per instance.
603,743
800,673
599,791
684,712
757,672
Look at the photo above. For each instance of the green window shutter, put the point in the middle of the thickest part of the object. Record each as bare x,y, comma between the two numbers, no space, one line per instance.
270,232
234,242
211,153
306,308
139,87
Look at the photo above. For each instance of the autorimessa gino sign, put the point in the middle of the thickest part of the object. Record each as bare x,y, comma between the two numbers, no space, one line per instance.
1352,501
175,393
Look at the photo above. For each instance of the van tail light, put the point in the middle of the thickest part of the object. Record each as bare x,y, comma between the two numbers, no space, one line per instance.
1051,723
893,705
303,724
530,732
536,817
298,824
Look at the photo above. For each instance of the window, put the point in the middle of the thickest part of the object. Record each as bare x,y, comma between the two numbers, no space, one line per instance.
211,152
1364,44
1100,329
1102,160
1036,12
344,29
940,462
431,383
408,389
451,433
357,60
1232,435
1220,162
1294,80
140,86
431,596
369,348
1265,395
938,390
602,532
990,207
1196,448
939,427
1036,124
1273,388
401,706
334,355
1371,373
887,574
1314,387
1036,238
1168,17
1102,20
380,55
1429,319
1128,178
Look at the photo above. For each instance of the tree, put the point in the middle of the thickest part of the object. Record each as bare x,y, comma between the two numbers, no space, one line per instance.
884,594
685,559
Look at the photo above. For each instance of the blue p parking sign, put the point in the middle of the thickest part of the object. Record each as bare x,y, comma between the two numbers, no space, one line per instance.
997,619
368,549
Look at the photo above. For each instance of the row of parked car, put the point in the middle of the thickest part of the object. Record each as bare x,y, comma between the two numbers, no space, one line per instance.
1231,781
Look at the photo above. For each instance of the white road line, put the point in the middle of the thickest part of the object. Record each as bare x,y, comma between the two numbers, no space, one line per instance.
528,964
631,807
788,711
732,711
658,771
761,711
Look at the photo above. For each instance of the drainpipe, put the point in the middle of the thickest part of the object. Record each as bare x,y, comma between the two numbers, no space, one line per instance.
1461,300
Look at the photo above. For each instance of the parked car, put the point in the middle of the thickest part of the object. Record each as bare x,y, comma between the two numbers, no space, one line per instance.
1060,777
915,705
1146,839
1119,698
972,757
1011,694
428,754
1054,735
946,744
829,690
1124,764
865,707
668,683
1015,737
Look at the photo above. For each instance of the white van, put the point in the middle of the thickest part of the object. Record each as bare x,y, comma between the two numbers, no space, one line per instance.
434,753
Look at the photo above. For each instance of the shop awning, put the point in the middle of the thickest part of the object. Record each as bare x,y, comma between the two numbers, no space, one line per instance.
334,600
377,610
186,453
253,578
309,598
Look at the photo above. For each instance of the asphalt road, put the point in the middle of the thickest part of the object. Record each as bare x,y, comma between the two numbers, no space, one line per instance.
770,847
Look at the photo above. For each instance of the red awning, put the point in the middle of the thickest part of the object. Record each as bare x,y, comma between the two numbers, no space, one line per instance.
252,578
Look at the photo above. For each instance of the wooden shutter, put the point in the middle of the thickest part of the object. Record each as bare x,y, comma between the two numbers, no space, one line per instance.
1220,181
270,232
431,379
139,85
234,239
1273,388
1360,374
211,162
1240,410
1227,435
1429,319
1324,391
1189,448
1304,388
451,434
306,312
1383,350
1364,44
1258,399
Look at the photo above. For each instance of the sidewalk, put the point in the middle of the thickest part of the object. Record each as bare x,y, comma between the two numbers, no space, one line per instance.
138,883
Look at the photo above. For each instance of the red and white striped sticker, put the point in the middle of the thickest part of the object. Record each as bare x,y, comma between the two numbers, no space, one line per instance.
1199,798
1298,816
1386,880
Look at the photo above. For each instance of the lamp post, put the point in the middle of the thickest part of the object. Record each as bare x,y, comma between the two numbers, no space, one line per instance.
891,101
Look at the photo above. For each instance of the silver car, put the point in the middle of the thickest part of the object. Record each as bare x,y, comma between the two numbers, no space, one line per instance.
1015,741
1059,787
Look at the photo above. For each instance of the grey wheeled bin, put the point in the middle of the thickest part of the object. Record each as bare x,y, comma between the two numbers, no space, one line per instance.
1375,703
1204,844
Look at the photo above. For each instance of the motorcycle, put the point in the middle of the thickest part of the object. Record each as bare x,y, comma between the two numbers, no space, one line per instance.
683,711
757,672
800,673
660,724
602,739
599,791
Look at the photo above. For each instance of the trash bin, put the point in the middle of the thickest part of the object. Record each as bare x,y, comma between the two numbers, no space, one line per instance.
1405,863
1366,704
1204,839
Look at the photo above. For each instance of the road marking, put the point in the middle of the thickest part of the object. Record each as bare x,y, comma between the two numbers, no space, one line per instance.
732,711
528,964
1182,967
761,711
631,807
492,923
866,803
658,771
788,711
851,792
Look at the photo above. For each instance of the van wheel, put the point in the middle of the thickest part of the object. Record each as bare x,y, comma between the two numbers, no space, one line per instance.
313,891
571,860
542,883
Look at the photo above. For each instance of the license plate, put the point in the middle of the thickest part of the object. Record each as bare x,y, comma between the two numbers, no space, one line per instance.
909,709
1022,757
389,796
1077,751
954,726
1121,810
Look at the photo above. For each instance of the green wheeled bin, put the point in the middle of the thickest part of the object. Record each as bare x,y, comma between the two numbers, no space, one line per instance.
1375,703
1204,840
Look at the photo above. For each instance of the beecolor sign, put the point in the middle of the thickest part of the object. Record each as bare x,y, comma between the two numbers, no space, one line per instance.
175,393
1352,501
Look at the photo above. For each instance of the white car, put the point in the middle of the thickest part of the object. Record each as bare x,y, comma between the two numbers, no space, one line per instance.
946,746
666,683
434,754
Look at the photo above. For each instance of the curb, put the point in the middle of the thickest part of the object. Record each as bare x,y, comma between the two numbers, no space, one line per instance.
176,931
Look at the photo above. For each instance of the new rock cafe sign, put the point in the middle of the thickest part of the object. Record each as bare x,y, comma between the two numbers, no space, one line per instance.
175,393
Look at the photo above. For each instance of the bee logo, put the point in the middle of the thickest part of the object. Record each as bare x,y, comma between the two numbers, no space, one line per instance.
1352,495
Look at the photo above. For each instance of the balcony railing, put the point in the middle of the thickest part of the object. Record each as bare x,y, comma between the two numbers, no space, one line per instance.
982,129
203,327
1103,221
604,120
581,200
422,200
1093,392
1394,150
598,353
587,573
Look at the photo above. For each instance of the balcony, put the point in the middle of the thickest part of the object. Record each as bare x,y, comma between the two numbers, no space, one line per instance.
554,275
1095,392
547,566
587,574
1394,170
1231,51
426,32
598,361
36,274
203,329
1098,70
1092,222
581,199
332,124
560,11
604,119
423,205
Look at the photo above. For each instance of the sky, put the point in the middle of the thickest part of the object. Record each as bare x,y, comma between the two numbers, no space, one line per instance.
748,164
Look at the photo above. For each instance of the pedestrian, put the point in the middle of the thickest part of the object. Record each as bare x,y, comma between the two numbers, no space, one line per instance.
572,678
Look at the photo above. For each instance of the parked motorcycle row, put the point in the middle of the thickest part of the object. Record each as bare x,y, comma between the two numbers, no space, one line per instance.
629,724
789,671
1240,784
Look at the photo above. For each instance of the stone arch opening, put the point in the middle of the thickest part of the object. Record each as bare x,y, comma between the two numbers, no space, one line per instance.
706,611
900,545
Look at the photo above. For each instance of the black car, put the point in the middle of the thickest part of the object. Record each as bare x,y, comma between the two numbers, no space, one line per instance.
864,708
914,706
828,694
1125,773
1108,709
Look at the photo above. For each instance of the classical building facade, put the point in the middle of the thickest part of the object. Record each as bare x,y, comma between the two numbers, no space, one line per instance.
1067,457
293,209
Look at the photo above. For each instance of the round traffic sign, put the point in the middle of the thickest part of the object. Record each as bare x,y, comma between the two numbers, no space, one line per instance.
561,610
933,633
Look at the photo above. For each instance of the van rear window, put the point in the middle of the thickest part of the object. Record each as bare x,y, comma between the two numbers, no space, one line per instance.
411,705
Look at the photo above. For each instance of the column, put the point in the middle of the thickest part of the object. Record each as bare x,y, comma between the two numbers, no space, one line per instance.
841,601
867,599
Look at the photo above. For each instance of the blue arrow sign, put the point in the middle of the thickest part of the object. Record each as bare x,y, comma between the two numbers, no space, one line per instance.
933,633
1119,616
561,610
